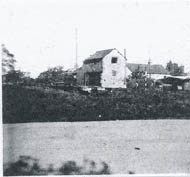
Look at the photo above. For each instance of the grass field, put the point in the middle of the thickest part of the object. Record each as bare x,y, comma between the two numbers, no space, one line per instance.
139,146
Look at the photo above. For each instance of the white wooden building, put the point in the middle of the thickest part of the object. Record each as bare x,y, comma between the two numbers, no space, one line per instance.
105,68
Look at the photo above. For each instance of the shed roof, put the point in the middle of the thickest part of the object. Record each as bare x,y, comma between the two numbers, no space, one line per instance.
179,77
154,69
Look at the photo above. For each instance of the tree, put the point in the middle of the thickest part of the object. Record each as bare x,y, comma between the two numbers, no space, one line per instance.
8,61
138,74
15,77
52,75
56,74
140,80
174,69
9,74
137,79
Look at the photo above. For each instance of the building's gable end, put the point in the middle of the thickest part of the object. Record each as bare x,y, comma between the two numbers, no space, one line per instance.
113,75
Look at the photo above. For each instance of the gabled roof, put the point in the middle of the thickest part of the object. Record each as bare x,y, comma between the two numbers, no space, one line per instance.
100,54
154,69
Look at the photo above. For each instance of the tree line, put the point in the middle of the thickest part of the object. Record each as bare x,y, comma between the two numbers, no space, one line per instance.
58,74
11,75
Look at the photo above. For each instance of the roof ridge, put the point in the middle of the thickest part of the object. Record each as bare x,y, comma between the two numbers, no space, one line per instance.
146,64
100,54
106,49
155,68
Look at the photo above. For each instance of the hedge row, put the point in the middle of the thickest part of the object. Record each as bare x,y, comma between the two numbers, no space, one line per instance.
30,105
28,166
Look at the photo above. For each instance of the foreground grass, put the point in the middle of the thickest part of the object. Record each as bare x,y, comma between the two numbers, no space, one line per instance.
138,146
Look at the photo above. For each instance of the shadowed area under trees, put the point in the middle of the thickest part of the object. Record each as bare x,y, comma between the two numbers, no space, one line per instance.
22,104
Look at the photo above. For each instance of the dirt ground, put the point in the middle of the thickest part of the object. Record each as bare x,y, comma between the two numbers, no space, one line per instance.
138,146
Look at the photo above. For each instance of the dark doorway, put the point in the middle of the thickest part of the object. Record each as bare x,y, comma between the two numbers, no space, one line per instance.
94,78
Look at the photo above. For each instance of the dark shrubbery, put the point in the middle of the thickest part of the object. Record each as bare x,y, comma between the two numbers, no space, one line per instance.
26,166
36,105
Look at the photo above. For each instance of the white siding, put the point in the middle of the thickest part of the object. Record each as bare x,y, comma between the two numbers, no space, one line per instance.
114,74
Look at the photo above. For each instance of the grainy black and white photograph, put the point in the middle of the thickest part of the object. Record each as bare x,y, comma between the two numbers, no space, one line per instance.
95,87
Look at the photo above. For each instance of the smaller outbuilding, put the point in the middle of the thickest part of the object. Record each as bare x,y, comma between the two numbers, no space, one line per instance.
177,82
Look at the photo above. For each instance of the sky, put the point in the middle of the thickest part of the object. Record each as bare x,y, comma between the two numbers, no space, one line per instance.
41,33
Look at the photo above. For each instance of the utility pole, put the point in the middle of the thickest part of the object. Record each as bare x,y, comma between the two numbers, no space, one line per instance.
149,65
76,48
124,53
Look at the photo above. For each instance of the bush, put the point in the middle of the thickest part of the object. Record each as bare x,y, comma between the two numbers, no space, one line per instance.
22,104
26,166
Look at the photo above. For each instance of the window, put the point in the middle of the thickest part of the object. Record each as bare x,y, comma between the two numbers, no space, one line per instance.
114,60
114,73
